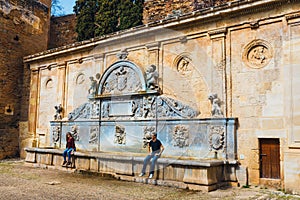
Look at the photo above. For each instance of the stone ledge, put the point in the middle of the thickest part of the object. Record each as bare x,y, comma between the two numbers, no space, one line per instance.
139,158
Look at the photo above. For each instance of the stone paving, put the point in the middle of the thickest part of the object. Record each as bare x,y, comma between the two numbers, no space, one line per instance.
19,181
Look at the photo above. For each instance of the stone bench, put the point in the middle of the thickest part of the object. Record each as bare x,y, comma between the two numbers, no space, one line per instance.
205,175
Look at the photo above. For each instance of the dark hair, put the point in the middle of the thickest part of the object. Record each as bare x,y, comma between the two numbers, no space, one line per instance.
154,134
68,133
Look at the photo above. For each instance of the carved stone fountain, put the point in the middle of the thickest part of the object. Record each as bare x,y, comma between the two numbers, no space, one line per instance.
125,106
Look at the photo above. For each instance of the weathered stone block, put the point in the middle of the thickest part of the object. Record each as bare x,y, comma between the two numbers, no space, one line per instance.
44,158
30,157
82,163
94,164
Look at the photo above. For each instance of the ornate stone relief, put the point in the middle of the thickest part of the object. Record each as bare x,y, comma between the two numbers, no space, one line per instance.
215,105
216,137
146,107
148,131
137,108
56,133
95,110
58,114
120,135
122,80
167,107
257,54
183,64
180,136
83,111
149,107
105,110
94,131
75,132
122,55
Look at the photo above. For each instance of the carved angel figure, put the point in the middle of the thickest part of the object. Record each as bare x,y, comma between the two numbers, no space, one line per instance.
58,113
93,87
215,105
152,77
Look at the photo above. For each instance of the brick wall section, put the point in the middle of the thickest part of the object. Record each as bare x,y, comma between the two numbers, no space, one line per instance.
62,31
160,9
22,32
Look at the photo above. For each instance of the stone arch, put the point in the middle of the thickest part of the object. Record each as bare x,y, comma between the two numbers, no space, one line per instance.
122,77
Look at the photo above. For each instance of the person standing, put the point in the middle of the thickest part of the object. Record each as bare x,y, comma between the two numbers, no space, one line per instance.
70,147
155,149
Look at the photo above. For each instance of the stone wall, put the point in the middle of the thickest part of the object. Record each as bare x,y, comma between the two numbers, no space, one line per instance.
62,31
24,29
160,9
246,52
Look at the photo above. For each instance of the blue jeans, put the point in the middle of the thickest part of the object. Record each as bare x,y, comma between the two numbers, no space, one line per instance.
68,152
153,162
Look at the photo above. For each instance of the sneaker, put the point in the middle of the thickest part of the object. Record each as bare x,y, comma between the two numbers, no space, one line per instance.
151,175
65,162
142,174
69,163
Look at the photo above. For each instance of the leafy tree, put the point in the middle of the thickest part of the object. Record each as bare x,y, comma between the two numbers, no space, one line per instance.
56,8
130,13
100,17
85,11
107,17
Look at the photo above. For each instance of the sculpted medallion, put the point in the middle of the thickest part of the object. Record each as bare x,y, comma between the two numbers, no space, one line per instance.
257,54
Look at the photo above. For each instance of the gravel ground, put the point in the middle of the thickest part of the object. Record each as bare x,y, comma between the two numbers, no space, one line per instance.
19,181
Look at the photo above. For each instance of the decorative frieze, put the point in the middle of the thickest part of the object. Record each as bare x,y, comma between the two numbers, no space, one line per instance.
83,111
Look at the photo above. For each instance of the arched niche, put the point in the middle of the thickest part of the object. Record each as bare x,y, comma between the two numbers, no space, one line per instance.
122,78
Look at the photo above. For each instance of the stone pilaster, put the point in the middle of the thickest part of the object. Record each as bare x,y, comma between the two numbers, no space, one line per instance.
218,63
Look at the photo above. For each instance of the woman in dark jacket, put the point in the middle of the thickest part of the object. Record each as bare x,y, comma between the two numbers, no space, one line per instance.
70,147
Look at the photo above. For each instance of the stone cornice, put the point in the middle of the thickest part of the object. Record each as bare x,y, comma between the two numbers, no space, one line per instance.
230,9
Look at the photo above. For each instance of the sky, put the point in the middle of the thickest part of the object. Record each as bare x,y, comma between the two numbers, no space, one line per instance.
67,5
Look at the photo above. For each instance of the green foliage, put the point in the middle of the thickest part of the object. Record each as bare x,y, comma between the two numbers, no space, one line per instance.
101,17
107,17
85,11
130,14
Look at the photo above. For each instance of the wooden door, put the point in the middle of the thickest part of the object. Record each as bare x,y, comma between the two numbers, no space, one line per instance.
269,158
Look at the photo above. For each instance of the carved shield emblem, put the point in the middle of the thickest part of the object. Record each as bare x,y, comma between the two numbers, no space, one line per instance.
122,81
